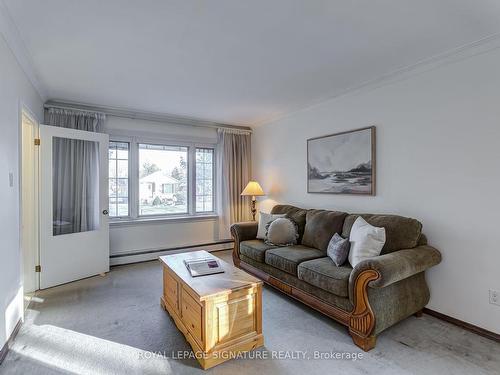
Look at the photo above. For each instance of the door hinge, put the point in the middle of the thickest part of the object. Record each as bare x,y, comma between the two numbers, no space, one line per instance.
38,268
37,141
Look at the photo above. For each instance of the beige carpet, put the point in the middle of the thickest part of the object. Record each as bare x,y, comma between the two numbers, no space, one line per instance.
114,325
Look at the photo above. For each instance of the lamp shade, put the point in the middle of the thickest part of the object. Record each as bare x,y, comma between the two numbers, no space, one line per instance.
253,188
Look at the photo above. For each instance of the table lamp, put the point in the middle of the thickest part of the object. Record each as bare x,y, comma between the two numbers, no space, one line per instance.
253,189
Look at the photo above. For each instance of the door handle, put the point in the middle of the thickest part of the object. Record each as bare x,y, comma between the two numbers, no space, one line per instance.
105,212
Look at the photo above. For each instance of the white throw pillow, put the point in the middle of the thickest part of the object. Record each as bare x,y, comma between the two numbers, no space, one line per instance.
264,219
282,232
366,240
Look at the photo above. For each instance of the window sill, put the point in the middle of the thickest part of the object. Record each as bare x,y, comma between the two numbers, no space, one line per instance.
160,220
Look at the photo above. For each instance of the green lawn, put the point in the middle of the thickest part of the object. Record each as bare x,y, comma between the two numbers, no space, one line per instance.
162,209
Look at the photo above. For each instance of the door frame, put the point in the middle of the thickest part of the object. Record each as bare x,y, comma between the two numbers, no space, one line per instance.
33,253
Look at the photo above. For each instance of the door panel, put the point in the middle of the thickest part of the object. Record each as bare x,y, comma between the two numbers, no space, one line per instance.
74,235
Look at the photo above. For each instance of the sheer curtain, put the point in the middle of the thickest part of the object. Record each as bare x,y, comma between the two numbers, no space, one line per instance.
234,171
75,175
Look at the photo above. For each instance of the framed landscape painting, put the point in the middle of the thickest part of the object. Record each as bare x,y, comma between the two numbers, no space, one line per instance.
342,163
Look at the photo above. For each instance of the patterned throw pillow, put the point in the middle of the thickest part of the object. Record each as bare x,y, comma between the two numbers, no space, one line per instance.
282,232
338,249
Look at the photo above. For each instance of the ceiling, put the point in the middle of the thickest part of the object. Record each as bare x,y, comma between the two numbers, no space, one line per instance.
238,62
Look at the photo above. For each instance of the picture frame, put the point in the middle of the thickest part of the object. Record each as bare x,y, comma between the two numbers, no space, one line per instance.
342,163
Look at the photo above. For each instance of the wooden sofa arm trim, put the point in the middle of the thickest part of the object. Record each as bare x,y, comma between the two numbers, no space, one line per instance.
362,319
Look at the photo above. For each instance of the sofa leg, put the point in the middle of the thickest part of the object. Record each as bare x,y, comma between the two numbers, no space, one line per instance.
365,343
419,313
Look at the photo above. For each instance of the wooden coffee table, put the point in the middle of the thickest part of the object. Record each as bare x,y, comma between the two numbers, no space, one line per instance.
220,315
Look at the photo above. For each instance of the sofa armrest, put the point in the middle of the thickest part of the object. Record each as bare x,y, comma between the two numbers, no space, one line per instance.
396,266
242,232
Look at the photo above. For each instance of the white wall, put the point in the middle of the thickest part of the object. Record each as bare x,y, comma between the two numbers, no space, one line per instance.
438,160
15,89
121,125
160,235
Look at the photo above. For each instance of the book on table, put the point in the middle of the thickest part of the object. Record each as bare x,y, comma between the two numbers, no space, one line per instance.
203,266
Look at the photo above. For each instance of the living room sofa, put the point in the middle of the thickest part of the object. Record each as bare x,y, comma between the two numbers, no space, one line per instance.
368,298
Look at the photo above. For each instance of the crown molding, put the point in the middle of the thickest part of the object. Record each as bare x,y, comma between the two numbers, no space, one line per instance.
142,115
13,39
466,51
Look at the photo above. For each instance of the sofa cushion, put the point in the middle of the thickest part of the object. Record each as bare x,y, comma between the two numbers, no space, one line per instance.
288,258
401,232
340,302
296,214
321,225
255,249
324,274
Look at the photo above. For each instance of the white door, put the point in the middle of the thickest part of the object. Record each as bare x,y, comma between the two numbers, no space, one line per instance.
74,232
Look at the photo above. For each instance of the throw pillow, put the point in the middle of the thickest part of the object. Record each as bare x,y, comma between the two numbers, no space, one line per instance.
264,219
366,240
338,249
296,214
282,232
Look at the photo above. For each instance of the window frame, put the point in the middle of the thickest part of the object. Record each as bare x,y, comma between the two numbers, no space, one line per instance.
214,179
133,179
128,178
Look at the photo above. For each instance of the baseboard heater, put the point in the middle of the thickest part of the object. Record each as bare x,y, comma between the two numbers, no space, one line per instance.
152,254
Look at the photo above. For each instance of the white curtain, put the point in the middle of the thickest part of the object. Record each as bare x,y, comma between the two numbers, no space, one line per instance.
234,171
75,173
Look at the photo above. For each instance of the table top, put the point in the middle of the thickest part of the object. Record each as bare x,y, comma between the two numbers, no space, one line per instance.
204,286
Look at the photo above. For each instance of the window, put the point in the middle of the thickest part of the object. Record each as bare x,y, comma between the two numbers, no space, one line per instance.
163,176
118,179
204,179
151,179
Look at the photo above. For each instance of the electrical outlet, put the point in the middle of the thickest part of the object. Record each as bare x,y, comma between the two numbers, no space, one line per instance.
494,297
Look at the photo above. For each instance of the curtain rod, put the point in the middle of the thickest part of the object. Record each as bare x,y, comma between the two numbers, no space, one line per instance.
139,115
47,106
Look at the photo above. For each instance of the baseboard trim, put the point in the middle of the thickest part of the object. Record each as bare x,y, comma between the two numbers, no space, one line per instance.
5,349
464,325
152,254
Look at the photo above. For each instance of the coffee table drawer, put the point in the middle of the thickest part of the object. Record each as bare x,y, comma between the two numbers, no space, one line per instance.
191,315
